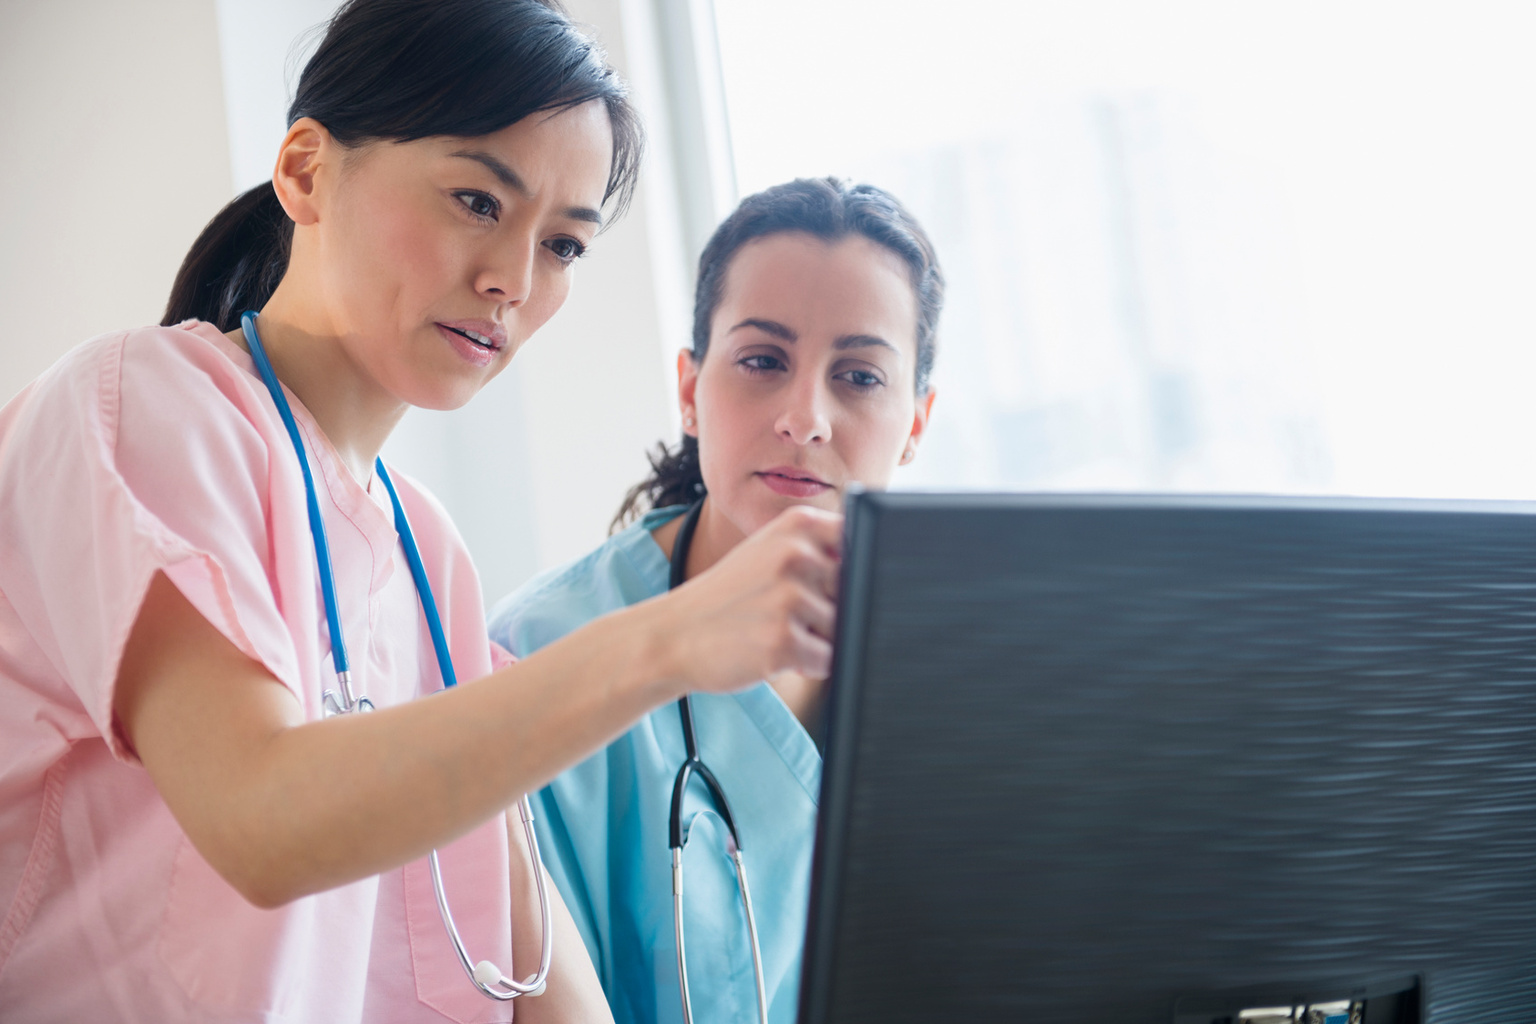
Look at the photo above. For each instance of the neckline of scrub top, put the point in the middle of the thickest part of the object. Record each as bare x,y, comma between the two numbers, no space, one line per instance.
762,703
365,507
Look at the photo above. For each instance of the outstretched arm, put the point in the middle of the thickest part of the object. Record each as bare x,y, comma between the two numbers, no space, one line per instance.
281,807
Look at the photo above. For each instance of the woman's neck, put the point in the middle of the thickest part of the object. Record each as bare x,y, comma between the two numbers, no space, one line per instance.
353,412
713,538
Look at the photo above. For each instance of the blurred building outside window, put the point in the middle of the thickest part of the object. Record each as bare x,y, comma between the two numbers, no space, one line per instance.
1192,246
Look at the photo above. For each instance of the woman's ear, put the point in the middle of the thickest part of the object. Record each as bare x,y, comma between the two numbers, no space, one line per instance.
687,385
305,150
922,409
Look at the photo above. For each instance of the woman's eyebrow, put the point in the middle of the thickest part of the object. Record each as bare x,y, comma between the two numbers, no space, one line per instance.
785,333
510,178
772,327
848,341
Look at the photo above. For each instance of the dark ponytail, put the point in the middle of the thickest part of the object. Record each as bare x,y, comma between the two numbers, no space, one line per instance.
675,479
236,262
830,209
400,70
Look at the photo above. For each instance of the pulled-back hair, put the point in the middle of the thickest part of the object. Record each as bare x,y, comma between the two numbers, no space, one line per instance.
829,209
400,70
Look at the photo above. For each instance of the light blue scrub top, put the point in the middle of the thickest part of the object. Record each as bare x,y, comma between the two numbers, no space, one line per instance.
603,824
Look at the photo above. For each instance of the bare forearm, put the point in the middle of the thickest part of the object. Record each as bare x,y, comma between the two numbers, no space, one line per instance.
457,758
298,808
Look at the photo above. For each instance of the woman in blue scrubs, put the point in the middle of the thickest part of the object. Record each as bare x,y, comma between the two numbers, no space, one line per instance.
813,341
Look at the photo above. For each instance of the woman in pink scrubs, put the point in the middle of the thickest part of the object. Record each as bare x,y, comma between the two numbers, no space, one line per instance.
183,836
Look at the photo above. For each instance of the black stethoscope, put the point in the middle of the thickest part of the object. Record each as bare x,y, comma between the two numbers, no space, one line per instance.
694,767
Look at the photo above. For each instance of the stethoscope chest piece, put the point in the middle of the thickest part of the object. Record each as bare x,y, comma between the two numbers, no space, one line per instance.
341,700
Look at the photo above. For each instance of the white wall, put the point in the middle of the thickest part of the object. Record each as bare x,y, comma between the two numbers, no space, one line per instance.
112,121
262,49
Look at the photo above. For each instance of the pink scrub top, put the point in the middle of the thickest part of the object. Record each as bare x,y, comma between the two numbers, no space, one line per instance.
159,450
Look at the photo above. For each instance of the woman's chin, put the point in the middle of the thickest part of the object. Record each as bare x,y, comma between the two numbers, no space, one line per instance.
829,499
443,392
441,400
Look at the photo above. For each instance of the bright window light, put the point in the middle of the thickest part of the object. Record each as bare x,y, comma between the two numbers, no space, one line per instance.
1284,247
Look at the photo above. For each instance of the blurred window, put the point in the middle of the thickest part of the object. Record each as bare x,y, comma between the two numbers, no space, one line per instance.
1285,247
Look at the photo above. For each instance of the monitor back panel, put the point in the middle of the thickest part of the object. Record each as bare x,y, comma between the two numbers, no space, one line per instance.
1088,756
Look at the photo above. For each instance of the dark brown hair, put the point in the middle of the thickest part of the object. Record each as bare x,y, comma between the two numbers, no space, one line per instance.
830,209
400,70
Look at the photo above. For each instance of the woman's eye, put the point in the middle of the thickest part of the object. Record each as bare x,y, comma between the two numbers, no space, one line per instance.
862,379
481,204
761,364
566,250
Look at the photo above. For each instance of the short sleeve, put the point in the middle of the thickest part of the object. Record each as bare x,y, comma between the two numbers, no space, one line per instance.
139,453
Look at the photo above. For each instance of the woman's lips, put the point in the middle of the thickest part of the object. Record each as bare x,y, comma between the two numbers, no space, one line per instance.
477,341
793,483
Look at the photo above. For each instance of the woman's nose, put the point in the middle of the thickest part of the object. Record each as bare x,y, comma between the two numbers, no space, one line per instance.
804,419
507,276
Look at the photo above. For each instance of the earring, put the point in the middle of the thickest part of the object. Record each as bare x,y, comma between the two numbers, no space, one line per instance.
908,455
688,421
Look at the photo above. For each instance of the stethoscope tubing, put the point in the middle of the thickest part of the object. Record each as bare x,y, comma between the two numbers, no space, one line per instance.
485,976
311,499
694,767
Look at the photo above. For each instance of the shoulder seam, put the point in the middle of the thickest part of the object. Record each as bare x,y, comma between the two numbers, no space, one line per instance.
110,392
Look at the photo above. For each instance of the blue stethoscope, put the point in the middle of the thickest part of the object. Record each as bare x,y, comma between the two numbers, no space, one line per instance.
693,767
486,976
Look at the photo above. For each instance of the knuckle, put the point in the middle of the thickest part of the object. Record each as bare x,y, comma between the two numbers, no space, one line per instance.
787,600
798,557
791,558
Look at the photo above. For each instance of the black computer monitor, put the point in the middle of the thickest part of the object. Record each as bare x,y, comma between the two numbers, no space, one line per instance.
1126,759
